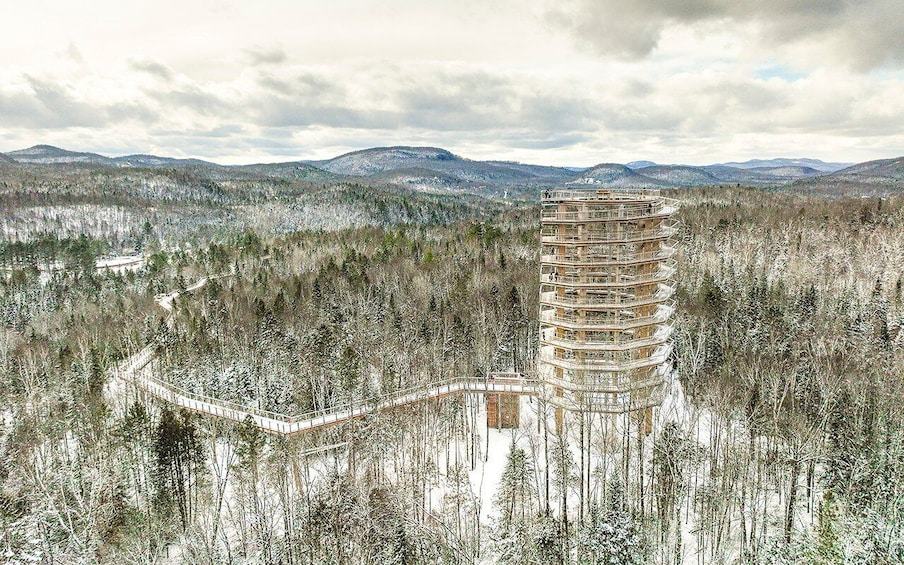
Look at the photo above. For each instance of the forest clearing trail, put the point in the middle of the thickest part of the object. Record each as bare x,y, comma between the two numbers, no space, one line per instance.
138,370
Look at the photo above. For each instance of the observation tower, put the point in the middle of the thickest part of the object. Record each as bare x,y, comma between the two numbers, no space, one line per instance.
605,298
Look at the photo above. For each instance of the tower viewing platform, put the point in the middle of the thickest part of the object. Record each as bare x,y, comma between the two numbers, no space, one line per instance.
605,298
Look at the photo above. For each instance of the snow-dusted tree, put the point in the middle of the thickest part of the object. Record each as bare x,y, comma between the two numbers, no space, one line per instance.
613,538
517,495
179,464
827,547
135,433
564,477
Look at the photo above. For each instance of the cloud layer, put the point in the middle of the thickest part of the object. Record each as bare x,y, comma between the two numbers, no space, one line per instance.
571,83
863,34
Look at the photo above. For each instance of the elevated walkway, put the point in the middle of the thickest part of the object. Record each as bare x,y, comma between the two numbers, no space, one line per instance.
137,370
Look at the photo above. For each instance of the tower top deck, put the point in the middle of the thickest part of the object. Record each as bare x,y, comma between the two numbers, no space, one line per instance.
607,195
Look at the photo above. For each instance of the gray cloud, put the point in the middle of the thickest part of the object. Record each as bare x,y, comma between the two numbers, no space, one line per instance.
862,34
73,52
562,113
192,97
153,68
265,56
301,84
466,102
520,113
52,105
308,113
457,101
527,140
21,109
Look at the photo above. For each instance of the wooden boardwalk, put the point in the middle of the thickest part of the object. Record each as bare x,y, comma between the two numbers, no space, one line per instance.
138,371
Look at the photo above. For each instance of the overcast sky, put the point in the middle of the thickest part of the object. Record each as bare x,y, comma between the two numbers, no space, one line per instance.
566,82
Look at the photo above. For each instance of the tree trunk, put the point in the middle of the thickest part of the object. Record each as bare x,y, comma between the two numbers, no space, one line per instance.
792,498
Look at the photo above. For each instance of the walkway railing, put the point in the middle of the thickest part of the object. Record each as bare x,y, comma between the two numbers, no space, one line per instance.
285,424
133,371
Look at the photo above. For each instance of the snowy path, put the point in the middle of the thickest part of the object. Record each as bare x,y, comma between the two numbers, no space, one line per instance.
133,370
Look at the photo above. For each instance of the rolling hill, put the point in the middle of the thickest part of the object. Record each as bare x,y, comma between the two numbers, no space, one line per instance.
883,176
48,154
426,180
436,170
369,162
614,175
679,175
815,164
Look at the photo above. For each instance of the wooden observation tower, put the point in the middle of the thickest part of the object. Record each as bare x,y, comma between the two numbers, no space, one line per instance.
605,299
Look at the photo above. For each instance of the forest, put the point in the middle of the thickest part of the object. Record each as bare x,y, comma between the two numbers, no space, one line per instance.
781,440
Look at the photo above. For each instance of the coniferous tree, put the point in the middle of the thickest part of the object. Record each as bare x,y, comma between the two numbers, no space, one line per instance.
178,463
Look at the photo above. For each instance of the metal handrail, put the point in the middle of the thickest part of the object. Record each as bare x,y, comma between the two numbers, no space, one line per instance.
494,382
269,420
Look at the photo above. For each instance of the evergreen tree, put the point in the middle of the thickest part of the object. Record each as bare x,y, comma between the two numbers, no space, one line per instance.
827,549
178,463
516,495
612,539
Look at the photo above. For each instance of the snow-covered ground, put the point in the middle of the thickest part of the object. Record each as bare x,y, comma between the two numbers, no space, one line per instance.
118,264
122,263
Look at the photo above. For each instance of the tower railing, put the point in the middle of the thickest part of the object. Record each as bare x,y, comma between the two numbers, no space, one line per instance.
551,298
622,212
660,336
664,273
662,313
662,232
602,195
663,253
660,355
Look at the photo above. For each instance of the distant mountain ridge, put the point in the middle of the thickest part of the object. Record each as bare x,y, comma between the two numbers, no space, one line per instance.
48,154
370,162
376,160
155,161
681,175
433,169
872,177
613,175
815,164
